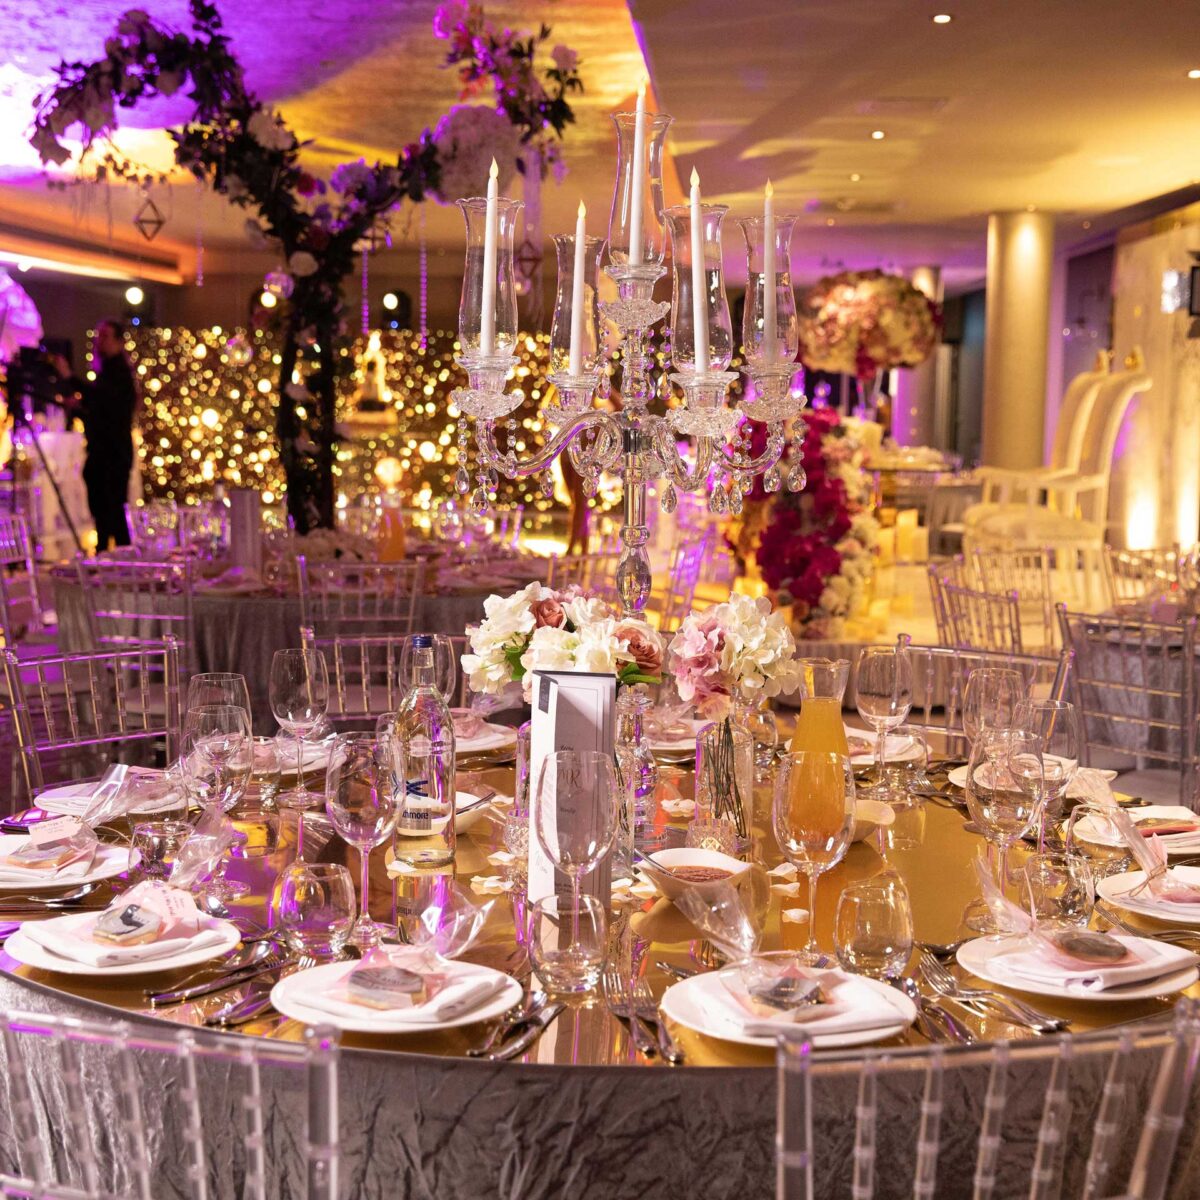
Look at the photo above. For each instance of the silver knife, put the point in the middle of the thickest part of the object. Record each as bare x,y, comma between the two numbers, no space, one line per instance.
232,979
518,1045
250,1006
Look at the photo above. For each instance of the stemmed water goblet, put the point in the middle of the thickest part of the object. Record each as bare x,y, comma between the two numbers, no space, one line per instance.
1055,725
883,695
299,698
360,801
813,818
990,700
575,817
219,687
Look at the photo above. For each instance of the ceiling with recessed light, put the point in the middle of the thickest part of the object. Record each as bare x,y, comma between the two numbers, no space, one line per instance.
1075,109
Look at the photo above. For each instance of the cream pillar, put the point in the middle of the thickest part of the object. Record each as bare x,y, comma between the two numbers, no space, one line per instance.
1020,263
912,406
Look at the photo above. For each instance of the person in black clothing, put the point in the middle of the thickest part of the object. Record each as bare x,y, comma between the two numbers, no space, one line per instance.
107,406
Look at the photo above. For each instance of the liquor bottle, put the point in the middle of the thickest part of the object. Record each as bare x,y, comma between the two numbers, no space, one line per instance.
424,730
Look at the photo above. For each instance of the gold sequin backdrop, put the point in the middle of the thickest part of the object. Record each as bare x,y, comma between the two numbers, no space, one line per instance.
209,418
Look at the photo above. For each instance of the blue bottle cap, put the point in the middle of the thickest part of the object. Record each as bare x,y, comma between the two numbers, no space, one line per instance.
422,641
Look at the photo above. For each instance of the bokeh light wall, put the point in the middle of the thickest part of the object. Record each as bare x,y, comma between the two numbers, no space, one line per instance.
209,417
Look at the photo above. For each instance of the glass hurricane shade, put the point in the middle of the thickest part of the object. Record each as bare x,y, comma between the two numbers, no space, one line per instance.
620,220
470,308
767,349
720,326
560,327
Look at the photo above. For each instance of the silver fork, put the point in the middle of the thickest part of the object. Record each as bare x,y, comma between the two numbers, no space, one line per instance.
647,1010
621,1004
942,982
257,999
1174,936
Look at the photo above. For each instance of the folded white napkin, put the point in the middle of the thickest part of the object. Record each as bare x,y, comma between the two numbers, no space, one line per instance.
894,745
464,993
488,738
71,937
1035,964
853,1006
10,842
1183,910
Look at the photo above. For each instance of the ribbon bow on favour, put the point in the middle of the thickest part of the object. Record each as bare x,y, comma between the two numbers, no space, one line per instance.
1151,855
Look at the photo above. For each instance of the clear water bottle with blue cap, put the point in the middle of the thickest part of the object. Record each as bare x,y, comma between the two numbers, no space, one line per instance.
425,729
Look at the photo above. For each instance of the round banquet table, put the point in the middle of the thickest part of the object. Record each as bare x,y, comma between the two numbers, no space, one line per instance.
582,1114
242,633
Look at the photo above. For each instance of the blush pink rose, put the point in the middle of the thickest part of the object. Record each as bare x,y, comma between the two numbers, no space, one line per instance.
646,651
548,612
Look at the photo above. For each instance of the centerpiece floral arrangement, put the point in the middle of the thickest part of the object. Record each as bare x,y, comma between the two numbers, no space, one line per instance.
816,548
245,151
863,322
540,628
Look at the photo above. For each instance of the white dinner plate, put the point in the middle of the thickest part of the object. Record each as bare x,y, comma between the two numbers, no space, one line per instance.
33,954
1115,889
288,998
72,800
468,808
490,737
680,745
109,862
958,777
976,956
1093,829
688,1004
898,748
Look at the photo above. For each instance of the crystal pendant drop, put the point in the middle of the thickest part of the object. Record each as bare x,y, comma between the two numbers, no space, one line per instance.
797,478
605,388
480,503
716,501
462,481
669,499
548,486
490,479
591,485
735,499
771,480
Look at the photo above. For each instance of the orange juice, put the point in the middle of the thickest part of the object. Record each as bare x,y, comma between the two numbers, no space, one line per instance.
820,727
391,539
817,807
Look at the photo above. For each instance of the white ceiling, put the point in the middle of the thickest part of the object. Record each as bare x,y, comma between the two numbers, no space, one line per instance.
1075,108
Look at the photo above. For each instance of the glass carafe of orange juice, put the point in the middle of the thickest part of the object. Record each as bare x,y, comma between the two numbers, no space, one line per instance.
819,725
391,538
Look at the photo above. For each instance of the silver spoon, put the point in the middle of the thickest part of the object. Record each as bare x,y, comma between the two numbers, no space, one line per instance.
61,900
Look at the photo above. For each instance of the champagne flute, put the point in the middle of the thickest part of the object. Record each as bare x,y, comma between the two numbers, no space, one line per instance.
990,700
883,695
575,815
813,818
360,801
299,693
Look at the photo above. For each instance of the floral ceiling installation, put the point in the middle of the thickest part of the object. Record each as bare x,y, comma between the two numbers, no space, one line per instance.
862,322
247,153
816,548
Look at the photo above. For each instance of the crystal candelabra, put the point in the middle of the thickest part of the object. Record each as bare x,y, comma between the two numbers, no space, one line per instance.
629,441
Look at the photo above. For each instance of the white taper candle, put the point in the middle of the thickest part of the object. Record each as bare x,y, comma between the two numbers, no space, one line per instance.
491,235
637,189
575,366
699,286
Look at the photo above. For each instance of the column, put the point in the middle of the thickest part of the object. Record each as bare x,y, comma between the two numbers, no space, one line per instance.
1020,263
913,404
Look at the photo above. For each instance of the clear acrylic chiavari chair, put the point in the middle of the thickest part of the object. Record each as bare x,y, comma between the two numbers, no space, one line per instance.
592,572
1135,688
1031,574
364,674
134,603
25,617
983,620
1099,1116
73,714
345,597
1136,574
940,676
88,1102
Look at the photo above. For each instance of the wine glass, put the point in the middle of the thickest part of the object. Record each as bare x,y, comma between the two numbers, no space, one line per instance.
990,700
299,697
1002,808
444,665
575,815
813,817
360,801
219,687
883,695
1056,725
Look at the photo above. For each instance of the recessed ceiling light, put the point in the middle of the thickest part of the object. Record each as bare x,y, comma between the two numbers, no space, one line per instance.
878,135
1194,73
855,177
942,18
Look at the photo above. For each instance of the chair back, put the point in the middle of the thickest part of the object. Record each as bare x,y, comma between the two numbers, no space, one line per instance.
982,620
73,714
1134,686
940,676
688,556
113,1110
1135,574
22,611
134,603
593,572
1073,416
1112,403
364,674
346,597
1030,574
993,1121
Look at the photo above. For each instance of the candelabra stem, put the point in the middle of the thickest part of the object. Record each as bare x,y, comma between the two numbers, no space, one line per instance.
634,578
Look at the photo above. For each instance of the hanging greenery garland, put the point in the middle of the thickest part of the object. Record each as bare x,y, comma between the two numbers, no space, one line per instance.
245,151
